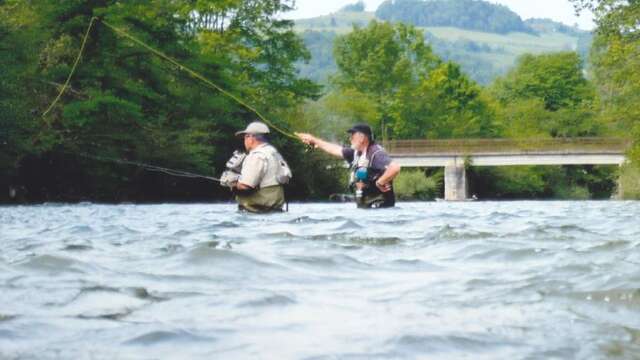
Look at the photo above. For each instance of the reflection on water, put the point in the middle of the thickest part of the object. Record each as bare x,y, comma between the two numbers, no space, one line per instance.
484,280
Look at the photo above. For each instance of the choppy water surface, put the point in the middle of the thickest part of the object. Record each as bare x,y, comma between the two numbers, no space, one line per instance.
510,280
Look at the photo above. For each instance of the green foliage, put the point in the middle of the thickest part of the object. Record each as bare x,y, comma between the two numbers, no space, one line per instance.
382,57
415,185
512,182
338,22
556,79
379,62
316,175
482,55
543,182
629,182
547,95
446,105
18,42
547,25
465,14
352,106
321,65
525,118
125,103
415,94
615,57
520,181
581,182
571,192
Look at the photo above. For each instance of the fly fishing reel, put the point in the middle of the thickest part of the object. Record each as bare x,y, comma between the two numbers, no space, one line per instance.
234,167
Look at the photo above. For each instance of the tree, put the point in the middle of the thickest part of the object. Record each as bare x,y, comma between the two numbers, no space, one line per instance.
556,79
126,103
615,58
548,96
446,105
19,87
415,92
559,98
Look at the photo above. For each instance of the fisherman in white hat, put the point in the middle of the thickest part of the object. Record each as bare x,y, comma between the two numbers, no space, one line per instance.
257,178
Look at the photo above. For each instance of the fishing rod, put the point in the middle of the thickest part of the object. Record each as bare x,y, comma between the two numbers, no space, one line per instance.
148,167
165,57
180,66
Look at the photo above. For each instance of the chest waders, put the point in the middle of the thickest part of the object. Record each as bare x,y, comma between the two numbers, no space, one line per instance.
267,199
269,195
369,196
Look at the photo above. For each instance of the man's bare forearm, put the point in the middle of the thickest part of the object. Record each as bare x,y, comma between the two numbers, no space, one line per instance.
392,171
329,148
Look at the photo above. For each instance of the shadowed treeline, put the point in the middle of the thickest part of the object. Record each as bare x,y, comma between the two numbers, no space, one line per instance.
125,103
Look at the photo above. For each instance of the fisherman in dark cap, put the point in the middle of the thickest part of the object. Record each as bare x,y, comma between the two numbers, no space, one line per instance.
372,170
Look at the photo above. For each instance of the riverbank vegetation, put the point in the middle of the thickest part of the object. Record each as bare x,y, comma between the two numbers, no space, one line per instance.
124,103
416,184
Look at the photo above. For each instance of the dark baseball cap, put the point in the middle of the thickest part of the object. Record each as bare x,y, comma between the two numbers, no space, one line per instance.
362,128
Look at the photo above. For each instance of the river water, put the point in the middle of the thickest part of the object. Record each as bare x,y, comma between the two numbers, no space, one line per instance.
477,280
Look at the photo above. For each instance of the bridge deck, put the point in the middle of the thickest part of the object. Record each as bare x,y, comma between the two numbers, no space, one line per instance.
508,152
464,147
452,154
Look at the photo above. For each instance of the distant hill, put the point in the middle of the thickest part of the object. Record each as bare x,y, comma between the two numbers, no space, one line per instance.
548,26
463,14
484,55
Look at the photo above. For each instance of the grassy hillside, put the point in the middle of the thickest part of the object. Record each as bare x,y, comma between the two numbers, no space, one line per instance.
339,22
482,55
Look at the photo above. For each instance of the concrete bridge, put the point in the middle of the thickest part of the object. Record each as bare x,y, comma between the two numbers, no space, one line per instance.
454,155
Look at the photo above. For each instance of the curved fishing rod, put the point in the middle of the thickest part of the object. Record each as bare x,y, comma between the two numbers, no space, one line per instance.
73,68
148,167
167,58
180,66
196,75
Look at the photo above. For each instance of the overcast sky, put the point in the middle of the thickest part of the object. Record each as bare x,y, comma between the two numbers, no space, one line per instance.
558,10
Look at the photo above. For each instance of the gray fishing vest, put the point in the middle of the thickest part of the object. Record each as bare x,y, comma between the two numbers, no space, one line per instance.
277,169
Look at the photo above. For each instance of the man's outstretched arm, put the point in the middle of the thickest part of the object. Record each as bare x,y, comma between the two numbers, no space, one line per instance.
329,148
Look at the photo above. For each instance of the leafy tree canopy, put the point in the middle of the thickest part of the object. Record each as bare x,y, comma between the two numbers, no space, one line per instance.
615,59
415,93
125,103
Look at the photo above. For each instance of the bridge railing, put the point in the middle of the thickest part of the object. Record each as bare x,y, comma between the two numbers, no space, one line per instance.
517,146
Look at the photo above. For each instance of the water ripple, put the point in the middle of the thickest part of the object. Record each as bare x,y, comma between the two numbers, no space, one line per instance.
476,280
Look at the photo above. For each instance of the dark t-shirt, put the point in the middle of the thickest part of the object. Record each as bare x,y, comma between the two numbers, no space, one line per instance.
380,161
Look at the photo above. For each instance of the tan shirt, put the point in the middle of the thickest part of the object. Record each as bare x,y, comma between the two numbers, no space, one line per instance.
259,169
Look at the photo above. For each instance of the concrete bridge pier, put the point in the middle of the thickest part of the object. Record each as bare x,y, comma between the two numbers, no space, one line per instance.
455,182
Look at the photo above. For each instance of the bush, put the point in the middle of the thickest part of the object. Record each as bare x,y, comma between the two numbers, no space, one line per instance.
571,192
509,182
415,185
629,182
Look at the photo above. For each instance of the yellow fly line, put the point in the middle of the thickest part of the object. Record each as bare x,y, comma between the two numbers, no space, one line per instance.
73,68
167,58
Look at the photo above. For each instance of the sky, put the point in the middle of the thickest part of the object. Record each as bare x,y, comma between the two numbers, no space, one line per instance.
558,10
